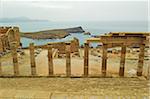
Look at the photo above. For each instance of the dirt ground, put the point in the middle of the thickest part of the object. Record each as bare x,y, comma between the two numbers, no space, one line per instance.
137,88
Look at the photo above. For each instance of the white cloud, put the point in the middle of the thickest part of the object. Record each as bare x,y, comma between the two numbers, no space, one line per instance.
61,10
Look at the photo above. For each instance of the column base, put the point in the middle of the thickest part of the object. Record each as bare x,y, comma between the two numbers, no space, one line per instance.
121,71
104,74
139,74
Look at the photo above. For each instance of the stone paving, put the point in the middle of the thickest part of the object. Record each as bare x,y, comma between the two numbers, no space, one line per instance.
74,88
27,94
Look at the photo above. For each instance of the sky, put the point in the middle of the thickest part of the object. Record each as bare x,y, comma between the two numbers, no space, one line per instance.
76,10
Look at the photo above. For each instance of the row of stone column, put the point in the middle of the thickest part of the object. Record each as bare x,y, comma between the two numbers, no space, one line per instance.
122,61
33,63
68,60
50,60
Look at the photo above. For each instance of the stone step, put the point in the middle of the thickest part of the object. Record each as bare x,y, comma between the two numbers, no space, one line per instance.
28,94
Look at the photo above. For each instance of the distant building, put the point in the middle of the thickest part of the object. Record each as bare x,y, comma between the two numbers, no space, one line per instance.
7,36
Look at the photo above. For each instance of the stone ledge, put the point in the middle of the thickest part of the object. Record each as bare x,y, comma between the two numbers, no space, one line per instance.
28,94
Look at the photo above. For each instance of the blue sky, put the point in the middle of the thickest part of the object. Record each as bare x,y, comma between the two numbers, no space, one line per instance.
79,10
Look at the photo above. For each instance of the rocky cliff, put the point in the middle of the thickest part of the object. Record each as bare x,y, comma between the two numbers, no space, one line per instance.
52,34
74,30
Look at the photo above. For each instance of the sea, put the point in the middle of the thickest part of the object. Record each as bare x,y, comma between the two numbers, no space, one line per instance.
94,27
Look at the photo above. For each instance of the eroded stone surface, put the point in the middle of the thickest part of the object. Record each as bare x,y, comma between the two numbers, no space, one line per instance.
74,87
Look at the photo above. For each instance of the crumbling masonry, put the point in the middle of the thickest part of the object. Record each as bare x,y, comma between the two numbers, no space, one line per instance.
8,35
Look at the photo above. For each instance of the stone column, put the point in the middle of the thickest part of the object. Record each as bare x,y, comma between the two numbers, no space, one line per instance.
104,60
148,70
76,41
122,61
86,59
0,66
32,59
50,60
15,58
68,60
1,45
17,35
141,60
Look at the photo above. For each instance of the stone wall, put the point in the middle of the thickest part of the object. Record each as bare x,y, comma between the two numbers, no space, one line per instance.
7,36
75,45
61,46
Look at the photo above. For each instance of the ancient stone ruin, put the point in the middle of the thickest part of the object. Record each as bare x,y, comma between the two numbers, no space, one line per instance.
117,39
61,46
8,35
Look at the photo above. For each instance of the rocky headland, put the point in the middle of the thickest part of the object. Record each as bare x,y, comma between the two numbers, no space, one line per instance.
52,34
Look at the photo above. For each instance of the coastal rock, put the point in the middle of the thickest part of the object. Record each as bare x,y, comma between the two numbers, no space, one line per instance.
74,30
47,34
52,34
87,33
